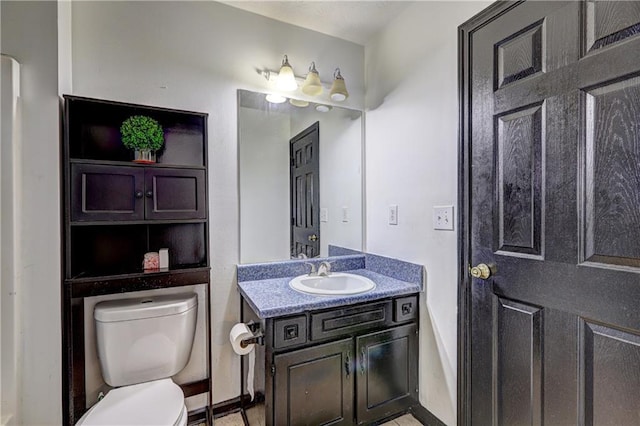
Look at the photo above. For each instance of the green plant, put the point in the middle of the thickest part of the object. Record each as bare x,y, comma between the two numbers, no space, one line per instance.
142,132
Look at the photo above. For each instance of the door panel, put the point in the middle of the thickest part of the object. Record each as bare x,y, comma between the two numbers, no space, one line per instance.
553,192
387,372
608,23
314,386
612,182
518,360
175,194
610,372
519,181
106,192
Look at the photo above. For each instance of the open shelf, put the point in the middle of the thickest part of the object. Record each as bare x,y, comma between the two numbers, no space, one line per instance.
94,132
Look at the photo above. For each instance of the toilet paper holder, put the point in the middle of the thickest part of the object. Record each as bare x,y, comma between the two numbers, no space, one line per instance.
256,339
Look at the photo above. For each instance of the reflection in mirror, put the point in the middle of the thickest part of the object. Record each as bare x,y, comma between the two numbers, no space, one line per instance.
300,173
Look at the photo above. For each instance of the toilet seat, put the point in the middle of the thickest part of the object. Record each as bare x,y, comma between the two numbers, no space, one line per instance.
160,402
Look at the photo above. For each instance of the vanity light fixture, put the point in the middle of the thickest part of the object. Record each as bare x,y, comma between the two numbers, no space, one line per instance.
312,85
298,103
286,80
339,88
323,108
275,99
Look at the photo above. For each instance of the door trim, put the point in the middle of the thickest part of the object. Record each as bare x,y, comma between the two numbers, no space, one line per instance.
465,32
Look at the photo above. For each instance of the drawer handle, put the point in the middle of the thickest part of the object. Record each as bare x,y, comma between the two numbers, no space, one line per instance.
362,362
406,308
347,364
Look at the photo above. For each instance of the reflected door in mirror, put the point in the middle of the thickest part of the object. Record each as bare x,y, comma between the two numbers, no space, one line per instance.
305,192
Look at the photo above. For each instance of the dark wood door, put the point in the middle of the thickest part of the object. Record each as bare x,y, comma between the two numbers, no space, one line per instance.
175,193
314,386
103,193
551,192
305,192
387,372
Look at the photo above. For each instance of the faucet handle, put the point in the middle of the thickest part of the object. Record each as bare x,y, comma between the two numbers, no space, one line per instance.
313,268
324,268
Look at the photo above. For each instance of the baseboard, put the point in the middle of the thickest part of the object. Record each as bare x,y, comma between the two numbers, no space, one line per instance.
235,404
227,407
425,416
198,416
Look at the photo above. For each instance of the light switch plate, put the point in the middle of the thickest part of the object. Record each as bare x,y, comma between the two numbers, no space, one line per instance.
324,215
393,214
443,218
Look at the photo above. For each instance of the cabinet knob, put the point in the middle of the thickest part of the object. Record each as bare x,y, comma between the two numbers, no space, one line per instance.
139,194
149,194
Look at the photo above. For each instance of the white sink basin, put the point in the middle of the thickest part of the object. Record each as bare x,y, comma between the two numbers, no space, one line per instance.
335,283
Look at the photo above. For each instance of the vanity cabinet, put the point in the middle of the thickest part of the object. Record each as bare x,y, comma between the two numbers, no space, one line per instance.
353,365
116,210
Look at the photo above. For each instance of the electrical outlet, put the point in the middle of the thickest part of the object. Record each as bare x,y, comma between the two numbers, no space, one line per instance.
443,218
324,215
345,214
393,214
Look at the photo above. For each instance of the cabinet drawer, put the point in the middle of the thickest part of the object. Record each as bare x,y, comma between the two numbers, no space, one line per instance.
349,320
405,309
289,332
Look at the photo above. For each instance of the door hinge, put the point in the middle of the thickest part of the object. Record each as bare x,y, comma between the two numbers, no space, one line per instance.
273,370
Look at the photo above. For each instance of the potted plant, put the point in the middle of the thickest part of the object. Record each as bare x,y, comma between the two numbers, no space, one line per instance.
144,135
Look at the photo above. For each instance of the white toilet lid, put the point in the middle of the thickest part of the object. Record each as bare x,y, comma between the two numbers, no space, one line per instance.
160,402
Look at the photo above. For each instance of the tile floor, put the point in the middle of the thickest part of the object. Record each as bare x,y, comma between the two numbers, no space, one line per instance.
235,419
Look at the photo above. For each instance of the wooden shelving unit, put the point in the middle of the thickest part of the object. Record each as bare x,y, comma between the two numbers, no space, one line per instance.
115,210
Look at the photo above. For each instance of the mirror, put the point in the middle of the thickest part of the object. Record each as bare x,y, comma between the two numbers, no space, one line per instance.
300,179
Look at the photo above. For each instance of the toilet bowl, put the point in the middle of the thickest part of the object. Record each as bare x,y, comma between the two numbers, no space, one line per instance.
141,344
160,402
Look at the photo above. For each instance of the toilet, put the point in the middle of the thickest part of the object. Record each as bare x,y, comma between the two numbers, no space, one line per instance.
142,343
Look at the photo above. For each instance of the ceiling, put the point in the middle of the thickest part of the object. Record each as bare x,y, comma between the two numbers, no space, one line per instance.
355,21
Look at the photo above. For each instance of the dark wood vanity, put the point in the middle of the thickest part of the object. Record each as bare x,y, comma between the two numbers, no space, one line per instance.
115,211
350,365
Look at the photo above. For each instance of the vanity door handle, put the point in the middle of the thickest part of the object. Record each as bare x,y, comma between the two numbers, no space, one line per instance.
139,194
149,194
347,364
362,362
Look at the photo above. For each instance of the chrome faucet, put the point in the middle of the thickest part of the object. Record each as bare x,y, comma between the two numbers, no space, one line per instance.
324,269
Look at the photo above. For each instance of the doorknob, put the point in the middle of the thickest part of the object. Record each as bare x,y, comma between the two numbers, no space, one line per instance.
313,237
481,271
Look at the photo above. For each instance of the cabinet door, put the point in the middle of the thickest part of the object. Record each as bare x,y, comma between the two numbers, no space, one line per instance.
387,372
101,192
175,194
314,386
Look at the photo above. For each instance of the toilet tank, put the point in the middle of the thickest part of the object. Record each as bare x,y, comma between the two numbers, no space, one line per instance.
145,339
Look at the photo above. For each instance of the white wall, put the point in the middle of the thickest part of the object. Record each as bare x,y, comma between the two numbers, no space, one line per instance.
195,55
9,225
411,153
29,33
